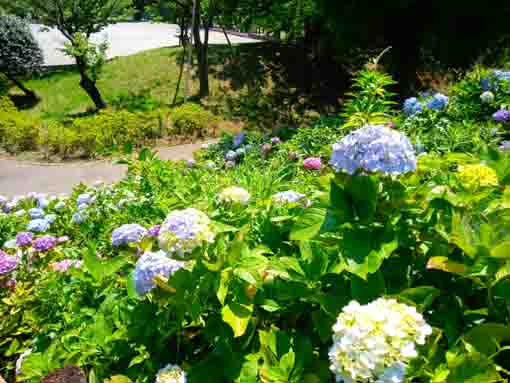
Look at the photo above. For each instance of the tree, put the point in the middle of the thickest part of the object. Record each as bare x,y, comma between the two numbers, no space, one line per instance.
20,55
78,19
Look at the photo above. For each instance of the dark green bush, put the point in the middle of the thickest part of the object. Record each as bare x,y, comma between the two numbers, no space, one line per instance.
192,119
6,104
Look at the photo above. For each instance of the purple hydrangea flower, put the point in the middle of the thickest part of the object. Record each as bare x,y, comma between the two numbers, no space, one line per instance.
38,225
65,265
275,140
82,206
84,198
45,243
288,196
238,140
190,163
438,102
412,106
150,265
24,238
154,231
129,233
36,213
8,263
374,148
502,116
312,163
504,146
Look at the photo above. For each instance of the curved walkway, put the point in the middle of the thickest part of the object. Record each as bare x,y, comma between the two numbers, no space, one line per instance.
19,177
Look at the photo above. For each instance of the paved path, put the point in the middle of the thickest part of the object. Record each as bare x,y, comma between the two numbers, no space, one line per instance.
18,177
124,39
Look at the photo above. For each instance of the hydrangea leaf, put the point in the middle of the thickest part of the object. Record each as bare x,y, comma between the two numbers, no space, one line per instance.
487,337
237,316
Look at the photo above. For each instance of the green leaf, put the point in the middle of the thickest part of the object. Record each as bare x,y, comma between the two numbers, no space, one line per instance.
363,191
444,264
365,291
92,377
471,368
423,296
224,284
308,225
501,251
340,202
237,316
102,269
287,362
487,337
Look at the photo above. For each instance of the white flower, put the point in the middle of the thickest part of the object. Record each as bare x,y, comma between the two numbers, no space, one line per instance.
487,97
288,197
171,374
235,194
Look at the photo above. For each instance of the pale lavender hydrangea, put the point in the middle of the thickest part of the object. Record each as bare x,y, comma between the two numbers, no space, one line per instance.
154,231
128,233
50,218
275,140
84,198
502,116
24,239
60,205
36,213
78,218
438,102
20,213
8,263
374,148
238,140
3,200
82,206
150,265
190,163
504,146
65,265
10,244
171,373
412,106
46,243
38,225
288,197
42,203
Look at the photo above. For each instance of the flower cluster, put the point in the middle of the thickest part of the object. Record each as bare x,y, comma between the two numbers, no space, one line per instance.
184,230
487,97
65,265
154,231
236,195
8,263
39,225
171,374
128,233
374,148
150,265
288,197
478,175
374,342
24,239
491,82
46,243
502,116
412,106
504,146
438,102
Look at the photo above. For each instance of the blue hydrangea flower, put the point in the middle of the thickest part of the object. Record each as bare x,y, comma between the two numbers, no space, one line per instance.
374,148
84,198
492,81
50,218
129,233
38,225
287,197
82,206
42,203
238,140
184,230
78,218
60,205
20,213
230,155
412,106
150,265
36,213
438,102
502,116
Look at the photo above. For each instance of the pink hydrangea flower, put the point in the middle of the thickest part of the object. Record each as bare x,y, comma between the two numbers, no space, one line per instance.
312,163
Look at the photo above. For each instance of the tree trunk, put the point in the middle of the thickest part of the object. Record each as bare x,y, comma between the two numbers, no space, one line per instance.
202,52
89,86
19,84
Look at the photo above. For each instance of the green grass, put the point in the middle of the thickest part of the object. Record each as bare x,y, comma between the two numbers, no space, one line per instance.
149,75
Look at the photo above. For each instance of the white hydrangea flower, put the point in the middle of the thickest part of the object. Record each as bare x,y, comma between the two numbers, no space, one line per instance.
487,97
235,194
288,197
172,373
373,342
184,230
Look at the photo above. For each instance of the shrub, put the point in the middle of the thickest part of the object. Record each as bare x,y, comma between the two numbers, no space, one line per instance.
6,104
192,119
18,131
62,140
20,54
316,140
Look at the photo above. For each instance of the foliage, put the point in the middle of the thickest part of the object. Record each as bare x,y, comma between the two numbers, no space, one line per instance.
20,54
315,140
93,55
191,120
370,100
6,104
17,131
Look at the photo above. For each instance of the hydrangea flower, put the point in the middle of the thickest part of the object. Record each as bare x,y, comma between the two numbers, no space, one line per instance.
24,239
240,152
502,116
171,374
60,205
230,155
190,163
42,203
373,342
374,148
78,218
184,230
63,239
487,97
275,140
84,198
50,218
312,163
46,243
8,263
38,225
478,175
492,81
20,213
438,102
36,213
65,265
235,194
150,265
238,140
129,233
9,206
230,164
287,197
82,206
504,146
3,200
412,106
11,244
154,231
